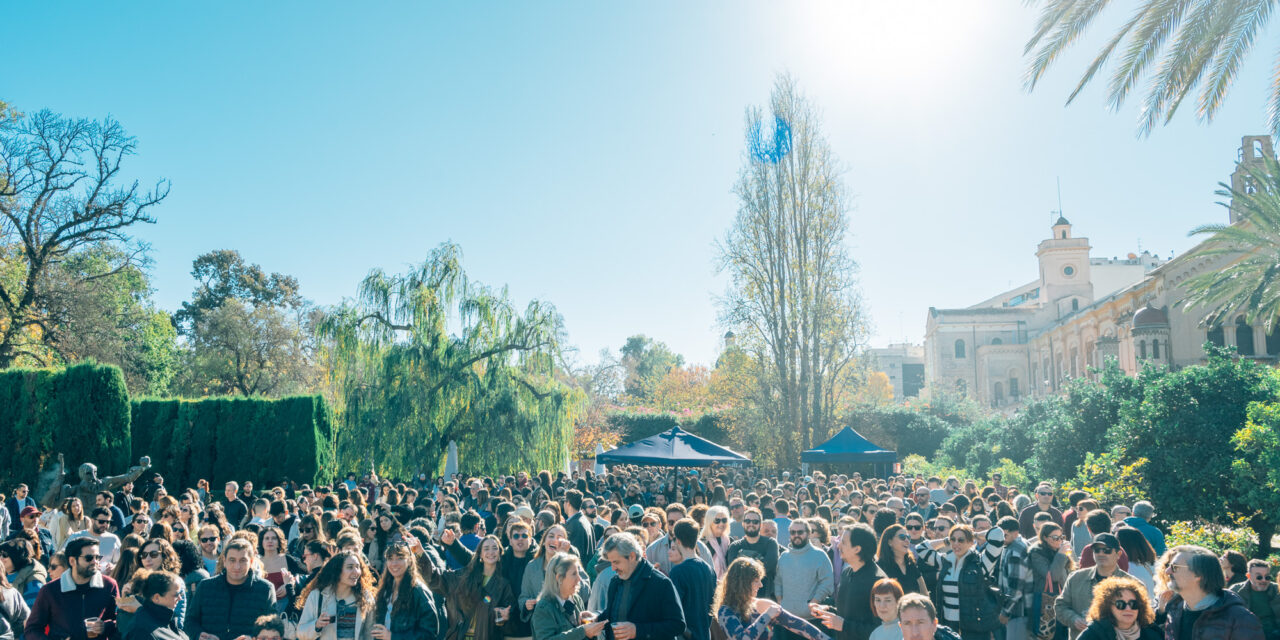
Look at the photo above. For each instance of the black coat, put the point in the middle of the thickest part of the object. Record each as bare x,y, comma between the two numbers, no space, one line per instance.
1103,630
654,609
229,611
853,601
154,622
416,619
582,535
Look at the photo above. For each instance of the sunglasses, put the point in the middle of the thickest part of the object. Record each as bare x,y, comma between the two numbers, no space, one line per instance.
519,536
92,557
108,521
213,539
150,554
1055,538
648,523
903,536
958,540
799,533
1103,550
1126,604
914,527
1044,493
721,520
750,522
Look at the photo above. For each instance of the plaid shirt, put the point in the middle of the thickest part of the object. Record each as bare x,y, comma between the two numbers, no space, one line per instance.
1014,579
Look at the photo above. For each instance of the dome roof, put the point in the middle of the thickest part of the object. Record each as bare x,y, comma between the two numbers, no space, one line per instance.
1150,316
1061,221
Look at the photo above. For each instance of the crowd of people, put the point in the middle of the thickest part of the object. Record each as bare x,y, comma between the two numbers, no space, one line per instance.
634,554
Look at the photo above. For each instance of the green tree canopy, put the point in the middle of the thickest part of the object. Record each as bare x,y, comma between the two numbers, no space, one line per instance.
427,357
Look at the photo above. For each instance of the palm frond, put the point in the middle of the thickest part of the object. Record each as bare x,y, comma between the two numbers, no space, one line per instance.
1185,61
1250,16
1160,20
1104,55
1273,107
1067,28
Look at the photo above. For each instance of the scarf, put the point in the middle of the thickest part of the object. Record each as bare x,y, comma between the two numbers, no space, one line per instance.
1131,634
719,550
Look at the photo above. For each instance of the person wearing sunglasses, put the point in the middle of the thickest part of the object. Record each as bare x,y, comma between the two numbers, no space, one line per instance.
1195,600
100,530
515,557
758,547
1043,504
967,582
715,534
83,605
1072,606
894,557
1121,608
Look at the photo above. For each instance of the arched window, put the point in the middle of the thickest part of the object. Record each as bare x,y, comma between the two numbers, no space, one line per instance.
998,396
1142,349
1155,349
959,348
1064,235
997,341
1244,337
1075,304
1216,337
1014,391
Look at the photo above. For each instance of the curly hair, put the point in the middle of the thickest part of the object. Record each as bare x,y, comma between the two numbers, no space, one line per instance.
1109,590
331,573
736,590
169,560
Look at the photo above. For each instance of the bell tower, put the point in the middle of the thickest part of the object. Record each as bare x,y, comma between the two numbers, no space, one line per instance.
1064,270
1254,153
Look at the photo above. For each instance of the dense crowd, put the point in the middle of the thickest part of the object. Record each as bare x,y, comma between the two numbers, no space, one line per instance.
635,554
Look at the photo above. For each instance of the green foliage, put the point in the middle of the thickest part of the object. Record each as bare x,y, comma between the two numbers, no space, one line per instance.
81,411
1213,536
1110,479
907,430
224,275
634,425
1184,427
220,439
646,362
407,383
1012,474
1257,466
917,464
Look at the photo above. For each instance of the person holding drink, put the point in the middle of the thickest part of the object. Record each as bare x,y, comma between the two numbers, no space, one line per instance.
81,604
478,599
404,608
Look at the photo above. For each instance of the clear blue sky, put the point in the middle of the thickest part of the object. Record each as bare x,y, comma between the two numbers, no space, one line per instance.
583,153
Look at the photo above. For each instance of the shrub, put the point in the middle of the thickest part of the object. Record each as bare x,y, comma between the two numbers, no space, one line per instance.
1109,480
1213,536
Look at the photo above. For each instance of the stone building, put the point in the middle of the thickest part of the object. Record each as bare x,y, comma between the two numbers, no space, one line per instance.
1081,310
904,364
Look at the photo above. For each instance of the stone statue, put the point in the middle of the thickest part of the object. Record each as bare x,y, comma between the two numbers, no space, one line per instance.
90,484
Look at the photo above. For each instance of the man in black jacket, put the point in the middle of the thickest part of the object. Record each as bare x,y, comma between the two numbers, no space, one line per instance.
225,606
642,602
853,618
582,534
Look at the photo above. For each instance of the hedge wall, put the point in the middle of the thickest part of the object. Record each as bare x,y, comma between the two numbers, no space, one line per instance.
221,439
81,411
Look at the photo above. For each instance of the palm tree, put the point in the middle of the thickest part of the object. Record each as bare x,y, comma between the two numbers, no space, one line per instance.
1177,45
1251,283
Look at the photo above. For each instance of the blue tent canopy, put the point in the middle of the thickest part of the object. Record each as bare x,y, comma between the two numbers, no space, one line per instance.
848,446
674,448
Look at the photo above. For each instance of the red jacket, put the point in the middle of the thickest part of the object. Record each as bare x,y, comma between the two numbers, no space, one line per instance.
62,606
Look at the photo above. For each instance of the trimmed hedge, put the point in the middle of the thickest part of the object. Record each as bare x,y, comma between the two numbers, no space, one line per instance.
81,411
233,438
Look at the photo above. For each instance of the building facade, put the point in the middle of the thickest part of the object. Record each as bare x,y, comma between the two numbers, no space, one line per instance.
1081,310
904,364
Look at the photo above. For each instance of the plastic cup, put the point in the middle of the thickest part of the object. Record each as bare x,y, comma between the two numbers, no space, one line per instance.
89,623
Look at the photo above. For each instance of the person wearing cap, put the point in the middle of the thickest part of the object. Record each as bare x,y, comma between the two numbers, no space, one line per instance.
524,512
1143,512
1072,605
1099,521
29,520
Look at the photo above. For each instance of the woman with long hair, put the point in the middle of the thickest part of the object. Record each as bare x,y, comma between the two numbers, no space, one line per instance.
73,519
743,616
715,534
479,600
404,608
191,565
1121,609
278,568
157,554
896,560
339,602
554,540
386,531
555,621
310,527
1142,557
1050,566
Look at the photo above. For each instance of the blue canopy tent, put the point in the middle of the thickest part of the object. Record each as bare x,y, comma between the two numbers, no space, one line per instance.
674,448
849,447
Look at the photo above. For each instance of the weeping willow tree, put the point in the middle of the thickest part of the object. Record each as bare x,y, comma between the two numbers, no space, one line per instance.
426,357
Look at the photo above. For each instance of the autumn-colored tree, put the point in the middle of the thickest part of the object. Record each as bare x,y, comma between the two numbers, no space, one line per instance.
684,389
